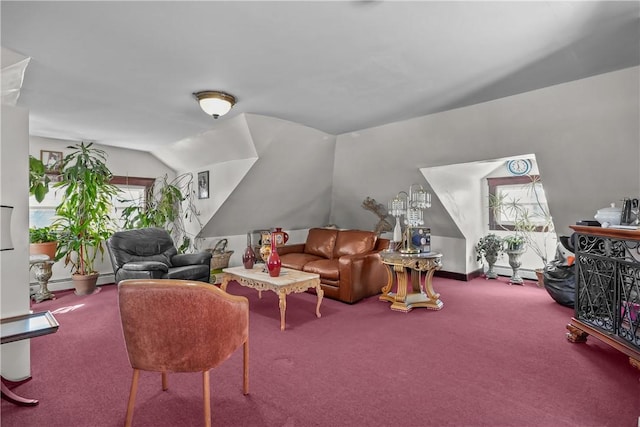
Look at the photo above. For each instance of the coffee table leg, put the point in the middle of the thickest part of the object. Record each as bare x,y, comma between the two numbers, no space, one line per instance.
283,308
225,281
320,294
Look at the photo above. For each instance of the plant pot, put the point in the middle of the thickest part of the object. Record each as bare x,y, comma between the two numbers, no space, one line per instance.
85,284
491,259
515,263
540,276
47,248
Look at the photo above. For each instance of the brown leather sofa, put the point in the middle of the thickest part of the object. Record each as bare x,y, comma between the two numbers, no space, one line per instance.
347,261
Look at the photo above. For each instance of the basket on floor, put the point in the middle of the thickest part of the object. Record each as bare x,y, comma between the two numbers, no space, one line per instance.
220,256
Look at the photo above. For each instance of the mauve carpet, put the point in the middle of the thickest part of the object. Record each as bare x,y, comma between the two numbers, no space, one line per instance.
495,355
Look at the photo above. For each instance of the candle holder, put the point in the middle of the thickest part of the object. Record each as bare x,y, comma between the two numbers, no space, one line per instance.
411,206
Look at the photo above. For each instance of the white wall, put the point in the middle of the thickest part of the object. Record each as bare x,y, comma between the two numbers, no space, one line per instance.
14,265
122,162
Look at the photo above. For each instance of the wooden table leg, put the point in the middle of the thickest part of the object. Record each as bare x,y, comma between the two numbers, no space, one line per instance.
9,395
320,294
399,302
428,286
282,296
225,281
390,280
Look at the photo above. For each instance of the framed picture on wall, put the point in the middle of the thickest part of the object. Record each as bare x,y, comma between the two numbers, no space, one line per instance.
203,185
52,161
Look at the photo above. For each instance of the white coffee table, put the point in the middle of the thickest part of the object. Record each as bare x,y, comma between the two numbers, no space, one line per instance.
289,281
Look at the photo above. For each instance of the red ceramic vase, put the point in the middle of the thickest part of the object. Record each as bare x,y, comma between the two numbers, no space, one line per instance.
249,256
274,264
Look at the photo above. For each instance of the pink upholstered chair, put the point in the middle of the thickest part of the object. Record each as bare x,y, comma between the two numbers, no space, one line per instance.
181,326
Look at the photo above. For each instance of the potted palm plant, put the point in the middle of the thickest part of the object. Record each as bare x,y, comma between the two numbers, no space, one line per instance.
83,216
490,247
38,179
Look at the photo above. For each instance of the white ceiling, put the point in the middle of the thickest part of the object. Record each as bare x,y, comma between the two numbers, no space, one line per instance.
123,73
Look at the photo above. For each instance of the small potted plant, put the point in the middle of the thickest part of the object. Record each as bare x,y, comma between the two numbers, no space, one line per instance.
43,240
513,242
490,247
514,247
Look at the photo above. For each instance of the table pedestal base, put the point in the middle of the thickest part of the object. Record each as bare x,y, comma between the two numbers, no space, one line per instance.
411,274
411,301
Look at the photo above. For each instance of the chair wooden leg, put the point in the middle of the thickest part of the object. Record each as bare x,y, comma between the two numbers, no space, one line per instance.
165,381
206,391
245,367
132,397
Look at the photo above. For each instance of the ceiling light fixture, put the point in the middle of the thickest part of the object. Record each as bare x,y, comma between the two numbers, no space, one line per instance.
215,103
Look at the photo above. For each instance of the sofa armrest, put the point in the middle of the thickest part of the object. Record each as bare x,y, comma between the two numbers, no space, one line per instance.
146,266
181,260
361,275
381,244
288,249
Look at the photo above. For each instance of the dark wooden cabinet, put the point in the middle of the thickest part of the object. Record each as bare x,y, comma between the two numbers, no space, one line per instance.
607,304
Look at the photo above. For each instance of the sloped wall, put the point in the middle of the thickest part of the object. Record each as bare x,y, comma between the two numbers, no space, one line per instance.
288,184
585,135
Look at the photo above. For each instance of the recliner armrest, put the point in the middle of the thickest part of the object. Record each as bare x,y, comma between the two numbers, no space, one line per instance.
145,266
181,260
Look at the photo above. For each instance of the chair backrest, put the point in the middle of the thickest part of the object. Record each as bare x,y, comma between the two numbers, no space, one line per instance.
179,325
141,244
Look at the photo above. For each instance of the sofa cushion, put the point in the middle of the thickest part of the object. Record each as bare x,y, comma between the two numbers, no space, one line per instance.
297,260
353,242
320,242
326,268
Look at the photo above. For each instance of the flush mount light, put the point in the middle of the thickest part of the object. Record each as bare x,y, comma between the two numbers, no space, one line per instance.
215,103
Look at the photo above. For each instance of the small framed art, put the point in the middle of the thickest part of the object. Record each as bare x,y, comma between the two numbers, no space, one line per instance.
52,161
203,185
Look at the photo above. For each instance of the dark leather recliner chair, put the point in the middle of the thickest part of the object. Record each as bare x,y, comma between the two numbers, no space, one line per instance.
149,253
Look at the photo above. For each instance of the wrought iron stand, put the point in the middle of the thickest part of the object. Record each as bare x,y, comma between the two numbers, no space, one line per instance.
608,289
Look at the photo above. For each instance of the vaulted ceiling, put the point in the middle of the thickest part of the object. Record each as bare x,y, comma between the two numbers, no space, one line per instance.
123,73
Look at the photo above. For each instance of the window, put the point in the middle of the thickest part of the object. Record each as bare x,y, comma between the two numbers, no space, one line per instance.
513,199
132,189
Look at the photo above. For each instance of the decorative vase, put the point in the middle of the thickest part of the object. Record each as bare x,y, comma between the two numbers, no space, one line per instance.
249,256
281,237
515,263
491,259
397,231
273,262
265,250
